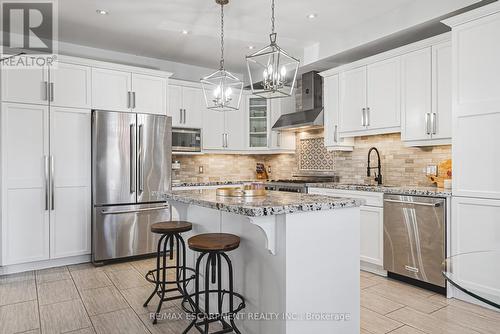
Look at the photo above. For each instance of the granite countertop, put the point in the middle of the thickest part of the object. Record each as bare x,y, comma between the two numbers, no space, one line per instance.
403,190
209,183
274,203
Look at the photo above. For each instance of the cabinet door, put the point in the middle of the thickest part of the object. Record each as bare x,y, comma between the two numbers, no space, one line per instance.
110,90
331,96
416,95
150,94
175,105
372,219
258,113
235,130
25,86
213,130
70,85
25,184
384,94
194,105
281,140
441,91
70,206
476,108
352,99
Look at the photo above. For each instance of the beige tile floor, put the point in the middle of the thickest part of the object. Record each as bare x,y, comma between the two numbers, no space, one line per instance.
85,299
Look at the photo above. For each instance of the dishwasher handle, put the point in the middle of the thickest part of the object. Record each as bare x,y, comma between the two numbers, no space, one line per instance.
434,205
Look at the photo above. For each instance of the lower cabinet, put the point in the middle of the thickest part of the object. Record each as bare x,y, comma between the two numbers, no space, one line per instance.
45,182
372,226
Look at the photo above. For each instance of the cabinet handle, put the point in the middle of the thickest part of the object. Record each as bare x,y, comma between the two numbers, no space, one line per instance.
51,92
52,187
132,160
363,117
184,110
44,91
180,115
223,140
368,110
335,134
433,120
427,124
128,99
133,100
279,139
227,140
46,170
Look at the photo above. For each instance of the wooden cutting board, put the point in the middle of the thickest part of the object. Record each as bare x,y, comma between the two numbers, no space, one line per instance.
444,173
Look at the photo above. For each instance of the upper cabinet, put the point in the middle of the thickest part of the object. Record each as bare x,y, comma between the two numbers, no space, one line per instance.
331,93
118,90
25,85
476,102
70,85
259,109
186,105
281,140
426,96
370,99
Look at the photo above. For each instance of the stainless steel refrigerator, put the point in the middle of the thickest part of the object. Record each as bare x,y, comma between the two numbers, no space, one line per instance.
131,164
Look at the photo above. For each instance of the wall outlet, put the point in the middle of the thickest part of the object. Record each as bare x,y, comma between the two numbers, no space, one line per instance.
269,170
200,169
431,170
176,165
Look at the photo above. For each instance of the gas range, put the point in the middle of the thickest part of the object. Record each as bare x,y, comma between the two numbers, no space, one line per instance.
295,185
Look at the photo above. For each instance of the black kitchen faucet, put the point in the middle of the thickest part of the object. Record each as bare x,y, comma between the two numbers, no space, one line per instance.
378,177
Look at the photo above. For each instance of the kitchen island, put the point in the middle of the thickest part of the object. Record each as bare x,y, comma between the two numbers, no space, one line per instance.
298,261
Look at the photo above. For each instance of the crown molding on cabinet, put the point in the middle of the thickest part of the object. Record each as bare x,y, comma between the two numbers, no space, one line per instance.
473,15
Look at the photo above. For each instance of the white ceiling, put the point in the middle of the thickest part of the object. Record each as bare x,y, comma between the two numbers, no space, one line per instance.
153,28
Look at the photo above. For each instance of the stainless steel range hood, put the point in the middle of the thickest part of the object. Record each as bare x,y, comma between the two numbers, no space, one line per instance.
311,115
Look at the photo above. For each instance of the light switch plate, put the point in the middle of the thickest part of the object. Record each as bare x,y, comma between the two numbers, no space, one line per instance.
432,170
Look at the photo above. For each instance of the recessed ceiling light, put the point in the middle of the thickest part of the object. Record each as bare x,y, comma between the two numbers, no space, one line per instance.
312,16
251,47
102,12
184,32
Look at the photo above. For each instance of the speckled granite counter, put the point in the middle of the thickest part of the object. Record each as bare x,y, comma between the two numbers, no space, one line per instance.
411,191
274,203
209,183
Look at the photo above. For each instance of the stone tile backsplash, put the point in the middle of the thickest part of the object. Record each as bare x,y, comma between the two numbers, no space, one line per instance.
401,165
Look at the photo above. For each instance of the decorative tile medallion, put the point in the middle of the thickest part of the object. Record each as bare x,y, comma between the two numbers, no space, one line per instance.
313,155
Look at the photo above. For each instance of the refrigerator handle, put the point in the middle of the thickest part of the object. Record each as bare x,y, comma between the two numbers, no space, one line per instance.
52,186
132,158
46,170
140,159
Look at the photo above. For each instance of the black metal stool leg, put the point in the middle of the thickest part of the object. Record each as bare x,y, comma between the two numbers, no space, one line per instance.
157,285
231,293
196,304
164,277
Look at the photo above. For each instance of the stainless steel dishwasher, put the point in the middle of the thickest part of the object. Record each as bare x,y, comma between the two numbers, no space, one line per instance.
414,237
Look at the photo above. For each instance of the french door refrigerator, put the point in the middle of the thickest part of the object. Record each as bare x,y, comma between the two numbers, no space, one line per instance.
131,164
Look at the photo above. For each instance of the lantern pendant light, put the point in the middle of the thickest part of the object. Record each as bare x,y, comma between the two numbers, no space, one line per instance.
222,90
272,71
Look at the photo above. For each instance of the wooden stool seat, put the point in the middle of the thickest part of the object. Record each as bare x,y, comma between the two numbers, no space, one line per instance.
214,242
171,227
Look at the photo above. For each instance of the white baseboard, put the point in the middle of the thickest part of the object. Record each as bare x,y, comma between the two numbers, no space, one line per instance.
18,268
373,268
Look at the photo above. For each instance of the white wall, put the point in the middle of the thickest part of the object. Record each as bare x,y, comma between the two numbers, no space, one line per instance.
179,70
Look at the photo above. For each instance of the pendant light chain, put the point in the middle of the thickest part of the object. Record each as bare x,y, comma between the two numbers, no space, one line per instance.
272,16
222,36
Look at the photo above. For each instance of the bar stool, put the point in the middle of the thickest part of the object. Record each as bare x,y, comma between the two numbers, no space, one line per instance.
169,231
214,246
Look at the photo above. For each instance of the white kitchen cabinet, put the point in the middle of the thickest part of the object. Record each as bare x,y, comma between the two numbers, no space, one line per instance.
70,215
370,99
372,238
25,85
111,89
476,103
331,97
70,85
281,140
352,101
223,130
235,129
371,223
128,92
25,183
186,106
383,107
426,96
258,113
149,94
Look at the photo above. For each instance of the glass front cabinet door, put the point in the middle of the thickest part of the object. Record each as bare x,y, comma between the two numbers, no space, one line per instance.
258,111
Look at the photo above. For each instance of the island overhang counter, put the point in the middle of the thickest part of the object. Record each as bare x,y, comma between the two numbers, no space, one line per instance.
298,261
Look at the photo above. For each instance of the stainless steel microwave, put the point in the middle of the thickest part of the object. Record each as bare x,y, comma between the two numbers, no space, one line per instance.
186,140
